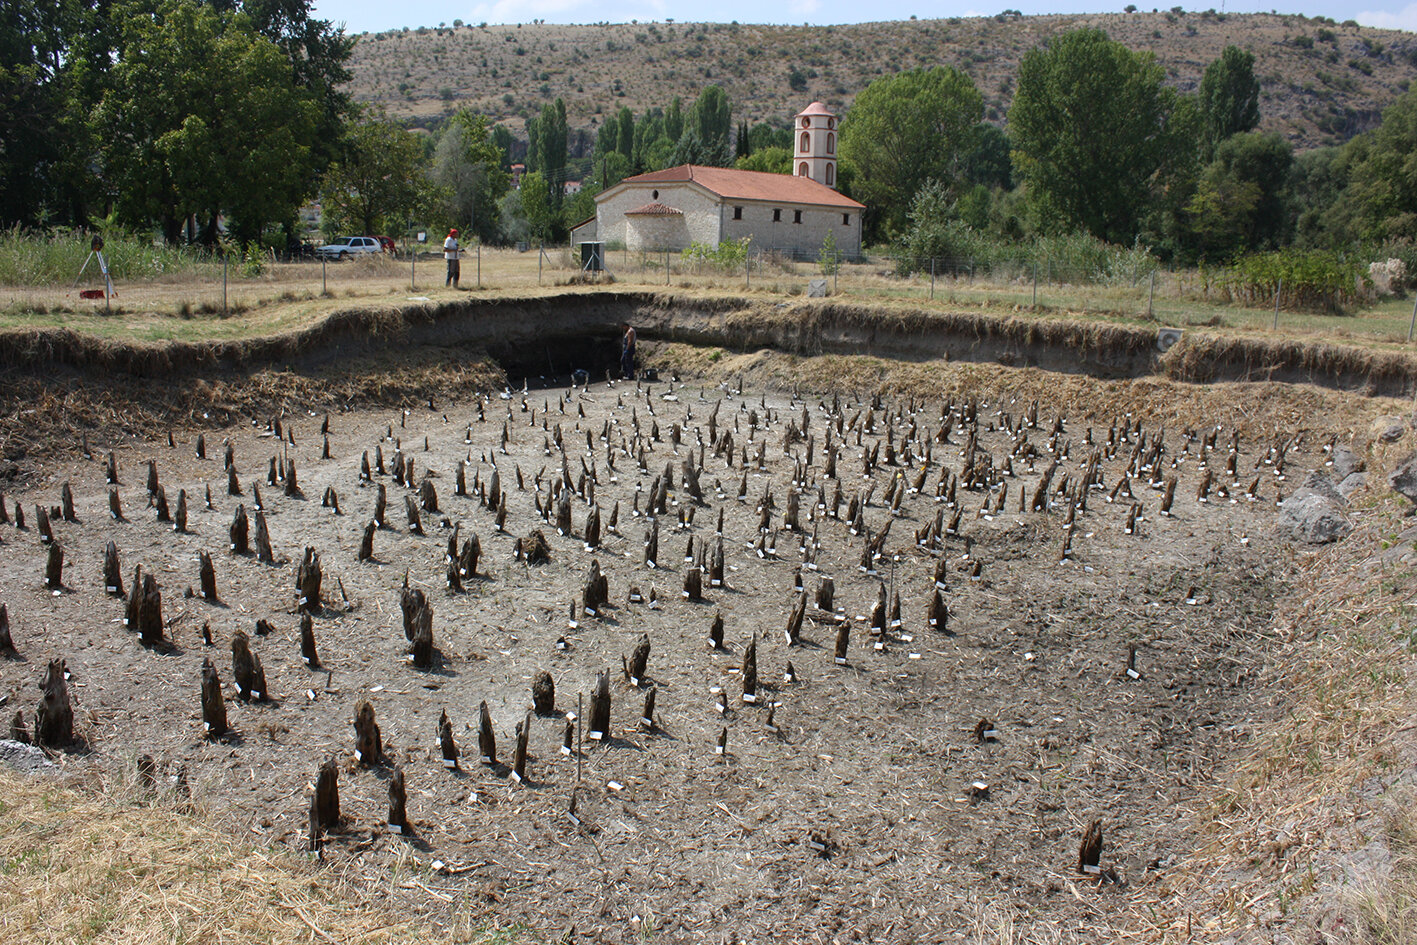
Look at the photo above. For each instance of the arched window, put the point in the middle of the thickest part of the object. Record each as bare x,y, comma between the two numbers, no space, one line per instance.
806,143
802,169
831,175
831,143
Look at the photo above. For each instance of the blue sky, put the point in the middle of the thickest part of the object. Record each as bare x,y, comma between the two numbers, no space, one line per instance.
377,15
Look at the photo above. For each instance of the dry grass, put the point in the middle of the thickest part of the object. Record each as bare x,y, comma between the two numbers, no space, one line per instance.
1311,94
76,867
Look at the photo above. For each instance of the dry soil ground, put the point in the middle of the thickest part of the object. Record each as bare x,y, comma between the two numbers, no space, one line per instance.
877,758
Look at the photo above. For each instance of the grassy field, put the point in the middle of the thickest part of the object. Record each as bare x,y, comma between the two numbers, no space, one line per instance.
189,303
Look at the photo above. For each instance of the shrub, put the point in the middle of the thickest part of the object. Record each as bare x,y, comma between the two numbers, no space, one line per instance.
727,256
1306,280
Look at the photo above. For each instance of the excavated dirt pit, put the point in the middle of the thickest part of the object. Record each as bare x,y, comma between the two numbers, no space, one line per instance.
874,813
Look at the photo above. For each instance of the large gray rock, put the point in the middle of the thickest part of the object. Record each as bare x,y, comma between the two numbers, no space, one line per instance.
1388,428
1345,463
1319,483
1352,483
23,758
1314,518
1403,479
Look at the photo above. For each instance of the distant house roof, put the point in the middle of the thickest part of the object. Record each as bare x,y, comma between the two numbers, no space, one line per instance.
654,210
732,184
816,108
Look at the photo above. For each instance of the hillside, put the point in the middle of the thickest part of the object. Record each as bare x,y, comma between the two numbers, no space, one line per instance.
1321,83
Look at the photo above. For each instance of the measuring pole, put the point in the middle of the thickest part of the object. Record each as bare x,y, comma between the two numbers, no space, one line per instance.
479,264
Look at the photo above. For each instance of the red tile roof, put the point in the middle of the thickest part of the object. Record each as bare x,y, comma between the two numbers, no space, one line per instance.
732,184
816,108
653,210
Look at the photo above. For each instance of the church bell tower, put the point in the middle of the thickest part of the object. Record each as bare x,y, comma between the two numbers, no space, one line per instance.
814,145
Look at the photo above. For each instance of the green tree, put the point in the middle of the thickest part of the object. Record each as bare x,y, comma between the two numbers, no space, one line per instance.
473,171
32,41
1091,129
763,135
376,184
771,160
905,129
674,119
988,162
470,177
1229,97
1240,203
551,132
537,205
203,116
710,121
1382,188
625,133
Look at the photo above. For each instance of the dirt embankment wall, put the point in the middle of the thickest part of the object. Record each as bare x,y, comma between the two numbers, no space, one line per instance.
549,335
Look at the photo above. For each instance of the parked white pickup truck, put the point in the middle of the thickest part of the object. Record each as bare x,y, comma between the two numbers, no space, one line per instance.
349,246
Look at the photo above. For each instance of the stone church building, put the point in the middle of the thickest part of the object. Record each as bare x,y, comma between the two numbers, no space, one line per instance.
794,213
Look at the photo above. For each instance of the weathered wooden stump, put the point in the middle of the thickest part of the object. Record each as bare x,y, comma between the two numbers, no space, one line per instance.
428,496
46,531
398,794
240,532
421,649
246,669
213,705
7,645
599,724
368,746
519,754
308,654
415,521
324,805
826,595
411,601
716,632
381,506
750,670
366,544
592,528
1090,850
794,621
66,502
638,662
652,545
471,554
115,506
693,585
18,732
264,553
54,568
54,719
307,581
446,743
486,738
543,694
112,574
206,576
843,641
533,549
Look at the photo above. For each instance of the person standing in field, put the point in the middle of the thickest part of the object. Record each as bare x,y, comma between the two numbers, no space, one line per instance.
451,253
627,353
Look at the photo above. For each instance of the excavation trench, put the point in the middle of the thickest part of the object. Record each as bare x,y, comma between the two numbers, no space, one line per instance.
550,336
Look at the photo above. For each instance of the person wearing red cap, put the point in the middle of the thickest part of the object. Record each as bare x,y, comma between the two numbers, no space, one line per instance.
451,253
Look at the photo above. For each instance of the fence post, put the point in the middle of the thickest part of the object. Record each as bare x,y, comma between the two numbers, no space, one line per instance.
1035,284
1277,292
413,269
479,264
836,269
666,267
224,258
324,279
747,270
1150,293
1413,324
538,262
932,278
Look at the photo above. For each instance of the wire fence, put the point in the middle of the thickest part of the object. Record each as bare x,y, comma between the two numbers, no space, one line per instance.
1122,288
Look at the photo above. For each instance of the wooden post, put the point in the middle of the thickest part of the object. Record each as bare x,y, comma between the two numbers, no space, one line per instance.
479,264
1035,285
1412,324
932,278
224,258
324,282
1150,293
413,268
666,270
1279,290
539,255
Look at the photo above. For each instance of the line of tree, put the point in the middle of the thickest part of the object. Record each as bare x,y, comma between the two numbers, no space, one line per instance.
182,116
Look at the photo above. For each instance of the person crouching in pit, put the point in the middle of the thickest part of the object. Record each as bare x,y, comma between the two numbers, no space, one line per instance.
451,254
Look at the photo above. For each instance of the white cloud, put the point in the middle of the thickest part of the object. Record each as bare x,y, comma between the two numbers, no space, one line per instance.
524,11
1404,19
805,7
